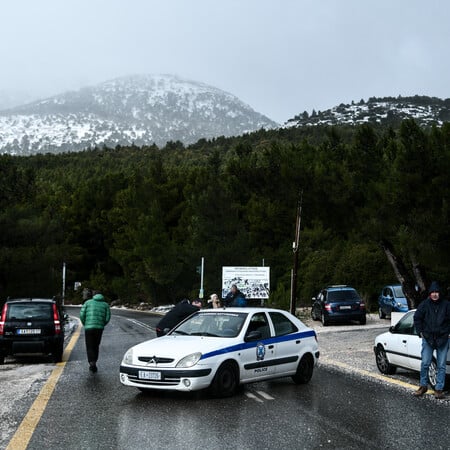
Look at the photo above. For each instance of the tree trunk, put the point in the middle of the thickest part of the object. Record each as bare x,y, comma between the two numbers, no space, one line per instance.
419,275
413,297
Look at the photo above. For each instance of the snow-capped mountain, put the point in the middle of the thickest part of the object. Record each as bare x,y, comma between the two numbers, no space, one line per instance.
387,110
142,109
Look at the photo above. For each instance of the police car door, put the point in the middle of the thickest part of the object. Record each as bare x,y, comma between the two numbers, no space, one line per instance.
288,343
258,354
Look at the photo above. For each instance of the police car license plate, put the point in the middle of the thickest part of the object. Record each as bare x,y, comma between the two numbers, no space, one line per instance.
29,331
345,307
145,375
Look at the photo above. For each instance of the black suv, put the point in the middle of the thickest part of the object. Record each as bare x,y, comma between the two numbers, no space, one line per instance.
338,304
31,326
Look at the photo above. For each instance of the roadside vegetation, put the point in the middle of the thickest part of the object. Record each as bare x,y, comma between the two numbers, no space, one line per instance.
134,222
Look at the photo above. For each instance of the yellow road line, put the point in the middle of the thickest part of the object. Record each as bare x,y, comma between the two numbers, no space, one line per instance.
23,434
366,373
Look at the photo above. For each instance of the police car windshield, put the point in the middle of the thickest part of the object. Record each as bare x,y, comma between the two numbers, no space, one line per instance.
218,324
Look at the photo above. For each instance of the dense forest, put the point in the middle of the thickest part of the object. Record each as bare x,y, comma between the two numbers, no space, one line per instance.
134,222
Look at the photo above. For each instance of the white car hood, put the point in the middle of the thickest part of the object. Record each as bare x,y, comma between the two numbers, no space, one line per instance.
177,347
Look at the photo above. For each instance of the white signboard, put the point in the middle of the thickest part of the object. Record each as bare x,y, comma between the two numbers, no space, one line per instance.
253,282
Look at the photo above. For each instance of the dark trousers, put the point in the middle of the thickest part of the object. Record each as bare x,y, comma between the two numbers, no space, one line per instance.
93,338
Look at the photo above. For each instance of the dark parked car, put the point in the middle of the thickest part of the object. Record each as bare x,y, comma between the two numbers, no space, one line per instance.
31,326
392,298
338,304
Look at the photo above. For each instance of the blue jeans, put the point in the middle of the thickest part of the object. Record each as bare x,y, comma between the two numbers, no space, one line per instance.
441,360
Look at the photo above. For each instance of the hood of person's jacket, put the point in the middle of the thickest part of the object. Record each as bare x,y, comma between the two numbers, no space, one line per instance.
98,298
434,287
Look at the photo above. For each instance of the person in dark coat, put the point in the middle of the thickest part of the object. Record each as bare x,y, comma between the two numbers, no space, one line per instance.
235,297
432,323
177,314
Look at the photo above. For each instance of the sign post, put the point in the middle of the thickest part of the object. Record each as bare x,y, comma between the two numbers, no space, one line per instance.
202,269
63,282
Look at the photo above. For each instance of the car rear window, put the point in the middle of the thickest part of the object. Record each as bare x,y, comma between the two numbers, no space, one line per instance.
342,296
24,311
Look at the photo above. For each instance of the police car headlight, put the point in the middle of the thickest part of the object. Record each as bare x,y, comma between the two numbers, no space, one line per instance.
128,357
189,360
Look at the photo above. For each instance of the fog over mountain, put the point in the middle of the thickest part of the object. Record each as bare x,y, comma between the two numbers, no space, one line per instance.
141,109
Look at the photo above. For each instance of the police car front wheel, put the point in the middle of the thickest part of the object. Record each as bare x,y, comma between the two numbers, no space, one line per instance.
225,381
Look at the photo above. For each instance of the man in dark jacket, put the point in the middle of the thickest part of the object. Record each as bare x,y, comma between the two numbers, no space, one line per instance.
235,297
432,322
94,315
177,314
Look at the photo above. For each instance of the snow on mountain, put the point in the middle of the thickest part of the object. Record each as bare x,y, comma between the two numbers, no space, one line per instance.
143,110
387,110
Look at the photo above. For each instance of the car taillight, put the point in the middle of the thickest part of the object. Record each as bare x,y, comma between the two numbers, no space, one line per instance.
362,306
56,320
3,318
327,306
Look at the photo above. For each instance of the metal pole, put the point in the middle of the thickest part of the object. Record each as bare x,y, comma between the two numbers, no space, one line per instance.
63,283
201,277
295,246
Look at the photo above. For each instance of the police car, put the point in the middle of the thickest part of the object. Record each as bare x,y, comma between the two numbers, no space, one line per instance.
222,348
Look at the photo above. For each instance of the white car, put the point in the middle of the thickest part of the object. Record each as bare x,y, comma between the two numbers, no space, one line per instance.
222,348
401,347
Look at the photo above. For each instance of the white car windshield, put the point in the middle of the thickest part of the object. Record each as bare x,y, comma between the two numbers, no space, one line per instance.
215,324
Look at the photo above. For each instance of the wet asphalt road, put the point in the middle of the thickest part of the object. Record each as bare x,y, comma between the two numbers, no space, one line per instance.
334,410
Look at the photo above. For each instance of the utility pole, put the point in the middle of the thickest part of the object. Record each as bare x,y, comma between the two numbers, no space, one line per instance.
295,246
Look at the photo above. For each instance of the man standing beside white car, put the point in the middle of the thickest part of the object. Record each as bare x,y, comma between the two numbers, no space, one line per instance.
432,323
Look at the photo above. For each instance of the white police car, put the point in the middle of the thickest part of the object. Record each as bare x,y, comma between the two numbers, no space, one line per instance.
222,348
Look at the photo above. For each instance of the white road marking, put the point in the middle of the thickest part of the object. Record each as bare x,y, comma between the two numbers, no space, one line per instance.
253,397
144,325
265,395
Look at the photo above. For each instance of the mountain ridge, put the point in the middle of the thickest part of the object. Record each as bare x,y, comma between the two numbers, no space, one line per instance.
425,110
137,109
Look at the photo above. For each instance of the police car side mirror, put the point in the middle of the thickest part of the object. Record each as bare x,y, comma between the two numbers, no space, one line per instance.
253,336
392,329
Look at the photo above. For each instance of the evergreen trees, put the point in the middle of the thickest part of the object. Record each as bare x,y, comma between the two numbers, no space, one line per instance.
135,222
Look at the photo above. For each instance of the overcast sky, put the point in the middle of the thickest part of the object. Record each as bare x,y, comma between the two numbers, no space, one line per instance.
280,56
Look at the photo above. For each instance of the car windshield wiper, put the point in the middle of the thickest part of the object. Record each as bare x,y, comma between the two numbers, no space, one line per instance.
181,332
204,333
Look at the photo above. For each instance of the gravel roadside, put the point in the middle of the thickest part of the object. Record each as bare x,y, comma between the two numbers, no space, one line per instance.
350,344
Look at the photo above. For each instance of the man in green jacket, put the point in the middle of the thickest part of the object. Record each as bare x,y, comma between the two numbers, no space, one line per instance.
94,315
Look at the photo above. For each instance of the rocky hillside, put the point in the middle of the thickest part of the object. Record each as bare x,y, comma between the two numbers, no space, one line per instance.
387,110
139,109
